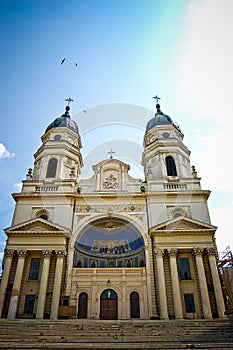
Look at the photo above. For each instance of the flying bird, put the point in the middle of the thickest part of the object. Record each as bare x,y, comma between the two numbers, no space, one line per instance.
76,64
62,61
84,111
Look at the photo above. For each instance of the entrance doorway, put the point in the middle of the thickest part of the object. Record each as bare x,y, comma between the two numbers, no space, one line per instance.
82,305
108,305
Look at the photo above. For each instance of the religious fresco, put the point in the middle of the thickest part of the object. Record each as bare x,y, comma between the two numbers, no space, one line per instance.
109,243
110,238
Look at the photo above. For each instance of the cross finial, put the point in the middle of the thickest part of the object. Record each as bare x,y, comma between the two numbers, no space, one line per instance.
111,153
69,100
157,98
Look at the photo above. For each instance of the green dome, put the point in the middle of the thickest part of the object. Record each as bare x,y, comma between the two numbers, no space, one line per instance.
160,119
64,122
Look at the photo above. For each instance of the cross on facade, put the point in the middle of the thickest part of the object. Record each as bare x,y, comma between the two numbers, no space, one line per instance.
69,100
111,153
156,98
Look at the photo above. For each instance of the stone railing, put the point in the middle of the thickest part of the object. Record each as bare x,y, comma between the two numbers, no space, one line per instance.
175,186
46,188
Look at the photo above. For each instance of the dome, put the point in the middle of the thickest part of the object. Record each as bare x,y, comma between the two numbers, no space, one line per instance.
160,119
64,122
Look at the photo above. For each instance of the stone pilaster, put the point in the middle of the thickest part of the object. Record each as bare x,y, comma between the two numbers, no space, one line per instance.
43,283
17,283
175,283
161,284
216,282
202,283
57,284
8,256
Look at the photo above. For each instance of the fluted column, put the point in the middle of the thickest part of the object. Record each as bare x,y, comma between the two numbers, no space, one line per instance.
161,284
17,283
175,283
8,256
57,284
216,282
202,283
43,283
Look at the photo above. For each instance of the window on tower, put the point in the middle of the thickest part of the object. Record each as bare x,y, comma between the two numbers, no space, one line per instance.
171,166
52,168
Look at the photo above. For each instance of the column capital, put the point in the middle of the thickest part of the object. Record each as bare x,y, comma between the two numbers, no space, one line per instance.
197,251
22,253
46,253
60,253
211,251
8,253
172,252
159,252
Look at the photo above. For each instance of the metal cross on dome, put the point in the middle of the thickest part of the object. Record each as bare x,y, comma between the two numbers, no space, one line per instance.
111,153
157,98
69,100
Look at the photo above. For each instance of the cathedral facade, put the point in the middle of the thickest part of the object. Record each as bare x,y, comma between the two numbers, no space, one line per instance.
111,246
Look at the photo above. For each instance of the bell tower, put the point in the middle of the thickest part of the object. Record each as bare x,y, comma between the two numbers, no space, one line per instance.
165,156
59,156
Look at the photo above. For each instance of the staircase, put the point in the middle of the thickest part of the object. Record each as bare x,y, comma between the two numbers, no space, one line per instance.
123,335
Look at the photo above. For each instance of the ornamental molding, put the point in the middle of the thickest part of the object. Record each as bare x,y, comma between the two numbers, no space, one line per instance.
88,209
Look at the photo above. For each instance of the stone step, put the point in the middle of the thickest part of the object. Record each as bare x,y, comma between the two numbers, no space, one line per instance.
86,334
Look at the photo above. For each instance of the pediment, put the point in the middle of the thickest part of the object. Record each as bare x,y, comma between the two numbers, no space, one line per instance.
37,225
182,223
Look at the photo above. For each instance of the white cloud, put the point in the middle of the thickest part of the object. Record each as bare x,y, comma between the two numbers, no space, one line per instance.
223,216
18,186
207,59
4,153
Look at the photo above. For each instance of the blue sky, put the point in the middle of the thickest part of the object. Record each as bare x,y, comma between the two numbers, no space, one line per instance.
126,52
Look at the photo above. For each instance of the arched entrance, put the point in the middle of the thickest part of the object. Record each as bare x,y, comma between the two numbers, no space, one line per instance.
108,305
134,305
82,305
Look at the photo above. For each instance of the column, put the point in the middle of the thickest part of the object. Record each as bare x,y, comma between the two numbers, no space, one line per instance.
202,283
98,187
17,283
8,256
216,282
124,302
148,283
43,283
57,284
161,284
175,283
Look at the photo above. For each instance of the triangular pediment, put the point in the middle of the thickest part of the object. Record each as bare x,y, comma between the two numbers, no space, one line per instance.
37,225
182,223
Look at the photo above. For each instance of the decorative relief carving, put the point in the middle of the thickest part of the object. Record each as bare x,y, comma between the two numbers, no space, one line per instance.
211,251
60,253
197,251
22,253
46,253
9,253
183,210
37,210
110,182
106,209
172,252
159,252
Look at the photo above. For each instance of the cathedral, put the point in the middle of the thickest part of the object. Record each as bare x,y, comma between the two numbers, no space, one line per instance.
111,247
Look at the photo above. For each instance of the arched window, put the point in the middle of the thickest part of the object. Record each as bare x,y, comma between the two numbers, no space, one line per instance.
82,305
52,168
171,166
134,305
